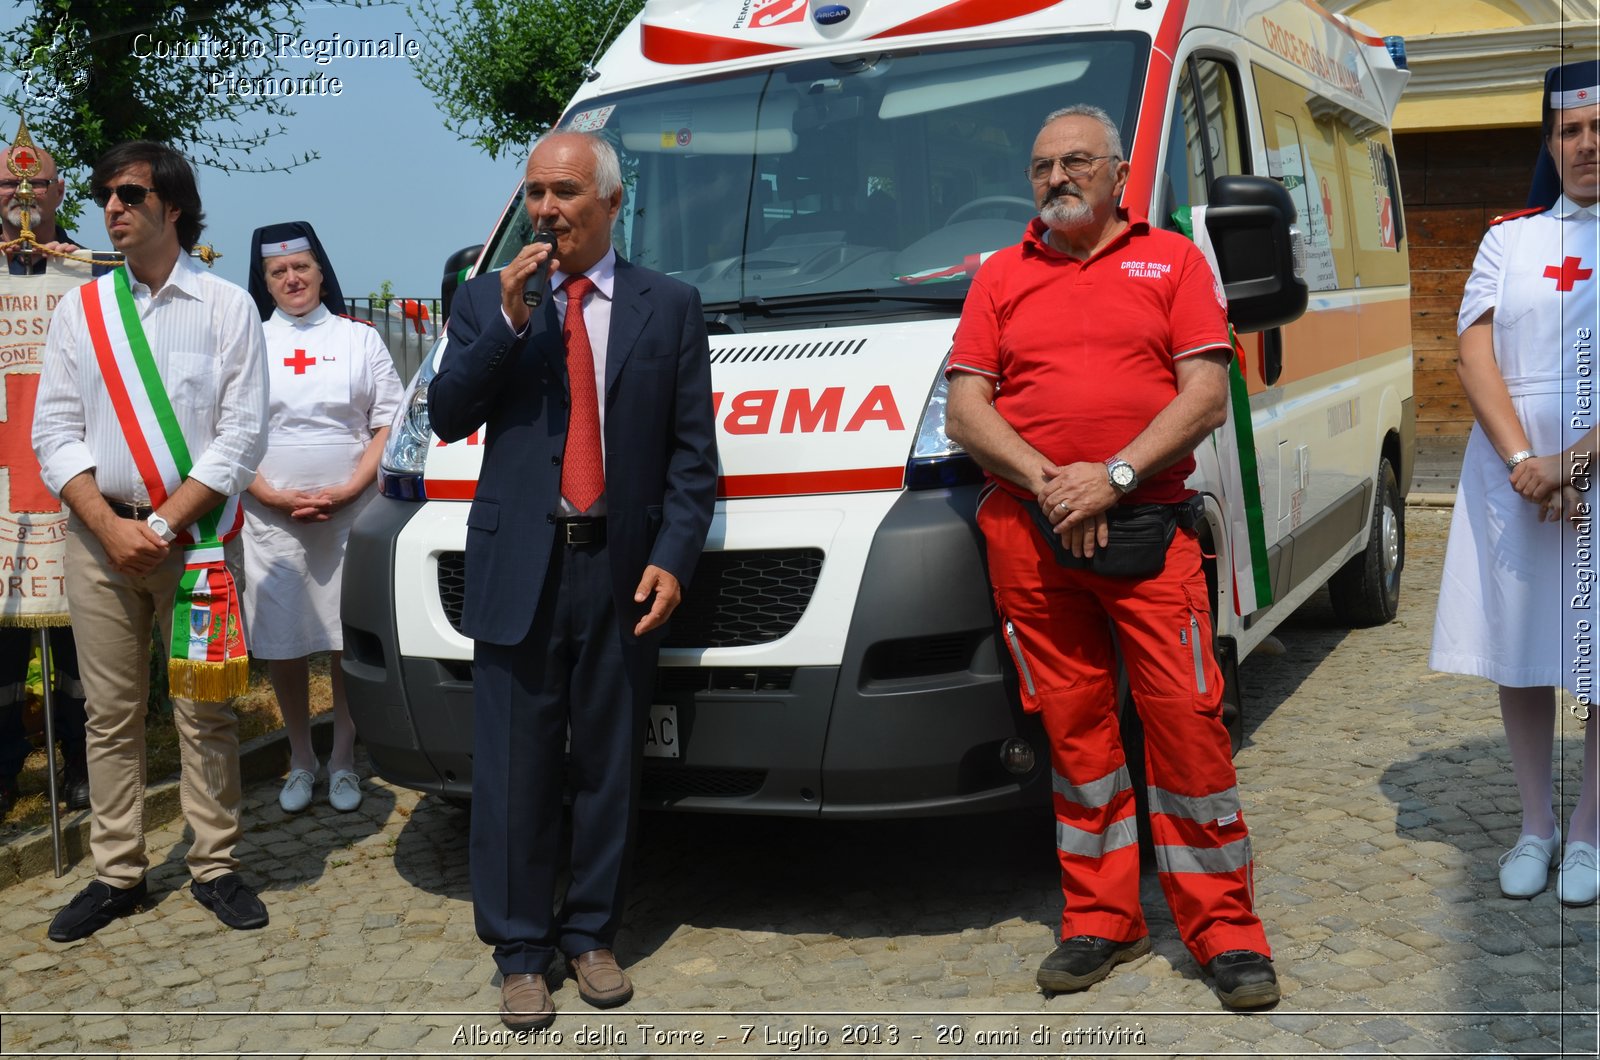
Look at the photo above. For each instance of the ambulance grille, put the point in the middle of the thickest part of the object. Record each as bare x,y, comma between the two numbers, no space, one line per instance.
742,598
736,598
791,351
665,782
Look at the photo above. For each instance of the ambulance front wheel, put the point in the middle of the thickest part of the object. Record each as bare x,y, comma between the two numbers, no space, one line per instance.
1366,590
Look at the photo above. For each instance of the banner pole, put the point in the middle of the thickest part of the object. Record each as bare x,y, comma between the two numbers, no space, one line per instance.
46,680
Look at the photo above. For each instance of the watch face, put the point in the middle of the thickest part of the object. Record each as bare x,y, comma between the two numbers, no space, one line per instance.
1122,475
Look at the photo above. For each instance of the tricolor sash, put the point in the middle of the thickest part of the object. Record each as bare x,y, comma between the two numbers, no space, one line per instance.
208,659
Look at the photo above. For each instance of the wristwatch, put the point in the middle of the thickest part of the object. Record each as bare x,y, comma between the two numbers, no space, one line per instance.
159,527
1122,475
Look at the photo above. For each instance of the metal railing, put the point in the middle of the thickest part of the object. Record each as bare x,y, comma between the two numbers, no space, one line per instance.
409,327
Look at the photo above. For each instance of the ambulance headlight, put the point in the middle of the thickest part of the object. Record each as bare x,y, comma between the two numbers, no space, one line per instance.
936,461
410,437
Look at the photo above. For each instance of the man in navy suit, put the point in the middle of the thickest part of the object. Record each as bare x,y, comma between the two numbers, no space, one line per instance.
579,541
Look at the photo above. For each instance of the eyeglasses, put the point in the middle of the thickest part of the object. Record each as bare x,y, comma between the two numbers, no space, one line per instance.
130,194
1041,169
39,184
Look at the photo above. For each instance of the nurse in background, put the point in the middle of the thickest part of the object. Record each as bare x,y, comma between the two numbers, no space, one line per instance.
333,392
1515,603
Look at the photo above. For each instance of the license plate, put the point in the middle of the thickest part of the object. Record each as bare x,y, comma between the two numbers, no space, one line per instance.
661,740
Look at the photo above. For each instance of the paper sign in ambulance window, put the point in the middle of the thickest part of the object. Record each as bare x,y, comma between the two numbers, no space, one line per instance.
709,127
945,88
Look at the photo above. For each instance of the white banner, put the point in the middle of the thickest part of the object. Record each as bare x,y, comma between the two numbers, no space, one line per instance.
33,524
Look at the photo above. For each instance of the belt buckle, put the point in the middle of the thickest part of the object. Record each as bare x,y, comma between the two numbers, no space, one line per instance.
577,532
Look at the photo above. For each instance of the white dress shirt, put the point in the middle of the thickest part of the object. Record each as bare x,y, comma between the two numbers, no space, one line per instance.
205,335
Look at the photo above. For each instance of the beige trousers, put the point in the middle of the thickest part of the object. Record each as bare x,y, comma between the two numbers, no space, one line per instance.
112,615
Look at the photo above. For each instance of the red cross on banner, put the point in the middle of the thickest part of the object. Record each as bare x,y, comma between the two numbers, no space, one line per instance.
16,446
299,362
1567,273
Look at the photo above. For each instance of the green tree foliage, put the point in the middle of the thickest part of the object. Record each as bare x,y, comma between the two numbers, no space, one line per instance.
503,69
88,74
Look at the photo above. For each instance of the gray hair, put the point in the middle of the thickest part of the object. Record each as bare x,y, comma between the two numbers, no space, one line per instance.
607,168
1089,110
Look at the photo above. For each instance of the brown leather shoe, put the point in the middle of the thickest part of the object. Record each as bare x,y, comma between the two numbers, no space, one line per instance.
600,982
525,1003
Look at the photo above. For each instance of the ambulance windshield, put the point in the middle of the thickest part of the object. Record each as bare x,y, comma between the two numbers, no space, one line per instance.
891,174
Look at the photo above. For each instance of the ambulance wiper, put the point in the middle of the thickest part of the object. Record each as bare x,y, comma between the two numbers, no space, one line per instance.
767,304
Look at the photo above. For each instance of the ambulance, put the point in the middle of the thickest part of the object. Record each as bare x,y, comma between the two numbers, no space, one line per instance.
830,176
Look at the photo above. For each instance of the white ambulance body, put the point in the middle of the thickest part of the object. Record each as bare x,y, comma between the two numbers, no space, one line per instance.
829,176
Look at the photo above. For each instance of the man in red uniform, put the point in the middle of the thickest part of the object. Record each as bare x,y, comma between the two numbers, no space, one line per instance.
1089,362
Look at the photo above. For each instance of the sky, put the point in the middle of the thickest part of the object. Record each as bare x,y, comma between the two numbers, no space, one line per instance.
395,192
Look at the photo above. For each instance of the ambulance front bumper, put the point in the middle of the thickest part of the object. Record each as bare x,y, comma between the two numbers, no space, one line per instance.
888,697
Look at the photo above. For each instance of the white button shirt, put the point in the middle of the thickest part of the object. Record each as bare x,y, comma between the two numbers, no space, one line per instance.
205,334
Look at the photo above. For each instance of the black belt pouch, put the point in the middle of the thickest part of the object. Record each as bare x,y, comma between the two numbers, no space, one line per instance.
1138,536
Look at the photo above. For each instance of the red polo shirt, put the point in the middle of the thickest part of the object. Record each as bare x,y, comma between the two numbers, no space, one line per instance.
1083,351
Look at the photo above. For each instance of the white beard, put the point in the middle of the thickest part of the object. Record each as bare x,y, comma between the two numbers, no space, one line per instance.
14,216
1065,213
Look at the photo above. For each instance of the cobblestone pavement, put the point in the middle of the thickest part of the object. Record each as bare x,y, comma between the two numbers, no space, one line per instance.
1378,793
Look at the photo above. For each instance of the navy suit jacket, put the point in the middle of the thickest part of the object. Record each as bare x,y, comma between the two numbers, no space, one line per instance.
660,443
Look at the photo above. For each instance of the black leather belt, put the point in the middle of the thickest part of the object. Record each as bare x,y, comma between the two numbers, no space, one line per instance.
583,530
131,511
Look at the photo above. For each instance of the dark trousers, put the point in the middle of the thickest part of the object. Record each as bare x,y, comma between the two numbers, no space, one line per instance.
16,648
571,670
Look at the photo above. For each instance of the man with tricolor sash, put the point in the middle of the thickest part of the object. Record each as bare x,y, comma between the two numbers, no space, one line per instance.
1089,363
151,420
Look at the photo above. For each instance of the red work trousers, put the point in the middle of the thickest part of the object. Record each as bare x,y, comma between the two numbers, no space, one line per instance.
1058,624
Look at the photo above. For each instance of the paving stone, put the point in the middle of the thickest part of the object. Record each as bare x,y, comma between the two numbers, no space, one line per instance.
1377,812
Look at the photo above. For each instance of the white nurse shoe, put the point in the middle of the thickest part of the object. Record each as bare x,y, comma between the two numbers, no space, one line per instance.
344,791
296,793
1525,868
1578,882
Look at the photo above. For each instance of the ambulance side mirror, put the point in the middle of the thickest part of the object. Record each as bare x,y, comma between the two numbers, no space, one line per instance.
1249,220
455,270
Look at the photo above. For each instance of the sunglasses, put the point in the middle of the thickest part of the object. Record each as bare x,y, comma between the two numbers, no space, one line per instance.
130,194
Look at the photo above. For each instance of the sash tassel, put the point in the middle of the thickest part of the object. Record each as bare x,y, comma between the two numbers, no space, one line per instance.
208,660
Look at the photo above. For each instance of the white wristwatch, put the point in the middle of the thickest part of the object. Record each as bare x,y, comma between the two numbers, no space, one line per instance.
1122,475
159,527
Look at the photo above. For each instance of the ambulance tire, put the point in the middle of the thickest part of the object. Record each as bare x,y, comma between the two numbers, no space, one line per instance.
1366,590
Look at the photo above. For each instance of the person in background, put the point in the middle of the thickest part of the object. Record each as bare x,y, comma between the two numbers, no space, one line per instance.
333,392
1512,603
16,643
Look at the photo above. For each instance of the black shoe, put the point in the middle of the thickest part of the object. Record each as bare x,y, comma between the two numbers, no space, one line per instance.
235,904
95,906
1083,960
1245,979
8,799
74,789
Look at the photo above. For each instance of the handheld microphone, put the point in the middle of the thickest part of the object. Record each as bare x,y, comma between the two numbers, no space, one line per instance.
533,291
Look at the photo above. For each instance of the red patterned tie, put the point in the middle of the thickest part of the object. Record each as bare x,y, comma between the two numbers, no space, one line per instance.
583,475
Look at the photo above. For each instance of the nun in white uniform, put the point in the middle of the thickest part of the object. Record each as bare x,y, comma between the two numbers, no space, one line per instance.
1516,602
333,393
